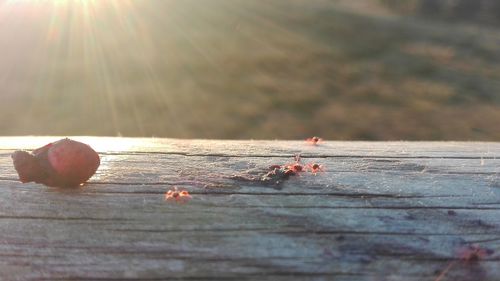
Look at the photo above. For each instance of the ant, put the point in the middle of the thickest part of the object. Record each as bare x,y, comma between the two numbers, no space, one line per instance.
296,167
314,140
315,168
278,173
178,196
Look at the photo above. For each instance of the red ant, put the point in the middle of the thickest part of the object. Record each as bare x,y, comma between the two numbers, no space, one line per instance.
295,167
314,140
287,170
278,173
178,196
315,168
471,253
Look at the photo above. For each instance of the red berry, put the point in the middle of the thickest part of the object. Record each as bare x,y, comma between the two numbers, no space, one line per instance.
27,167
64,163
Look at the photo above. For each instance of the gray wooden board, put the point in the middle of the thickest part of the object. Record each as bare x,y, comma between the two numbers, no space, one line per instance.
380,211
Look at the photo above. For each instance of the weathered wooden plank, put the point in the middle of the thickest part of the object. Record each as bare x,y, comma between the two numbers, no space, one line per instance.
381,211
270,148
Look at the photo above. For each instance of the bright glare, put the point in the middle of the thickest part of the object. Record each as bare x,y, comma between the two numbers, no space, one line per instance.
99,144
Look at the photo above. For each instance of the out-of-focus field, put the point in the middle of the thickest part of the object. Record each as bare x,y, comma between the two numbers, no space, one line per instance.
246,69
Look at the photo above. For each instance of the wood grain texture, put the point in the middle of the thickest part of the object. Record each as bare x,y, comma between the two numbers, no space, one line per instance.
380,211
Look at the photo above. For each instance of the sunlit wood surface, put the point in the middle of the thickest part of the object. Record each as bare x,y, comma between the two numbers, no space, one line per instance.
380,211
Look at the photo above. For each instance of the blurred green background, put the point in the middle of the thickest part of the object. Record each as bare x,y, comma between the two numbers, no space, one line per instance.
275,69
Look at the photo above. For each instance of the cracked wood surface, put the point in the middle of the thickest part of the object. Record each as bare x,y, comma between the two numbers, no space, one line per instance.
380,211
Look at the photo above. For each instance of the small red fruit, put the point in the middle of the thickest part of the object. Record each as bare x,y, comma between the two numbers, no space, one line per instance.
65,163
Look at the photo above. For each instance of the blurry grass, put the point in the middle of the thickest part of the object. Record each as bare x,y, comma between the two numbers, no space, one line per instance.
251,69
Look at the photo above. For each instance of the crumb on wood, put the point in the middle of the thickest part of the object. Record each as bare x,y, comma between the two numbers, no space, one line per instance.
275,177
277,174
